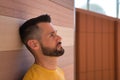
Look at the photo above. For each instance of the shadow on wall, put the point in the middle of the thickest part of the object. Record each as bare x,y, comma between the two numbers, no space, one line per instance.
14,64
14,58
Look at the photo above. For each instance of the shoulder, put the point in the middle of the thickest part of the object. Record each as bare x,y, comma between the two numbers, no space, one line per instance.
32,73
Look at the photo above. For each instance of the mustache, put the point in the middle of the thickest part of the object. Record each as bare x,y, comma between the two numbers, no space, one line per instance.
59,43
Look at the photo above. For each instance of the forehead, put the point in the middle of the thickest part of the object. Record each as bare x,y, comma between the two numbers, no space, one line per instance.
46,26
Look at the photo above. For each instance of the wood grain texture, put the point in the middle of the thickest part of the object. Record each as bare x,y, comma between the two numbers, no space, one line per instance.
9,34
14,64
95,46
118,50
28,8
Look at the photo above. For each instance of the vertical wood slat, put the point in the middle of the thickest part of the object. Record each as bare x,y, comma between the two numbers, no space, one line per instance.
105,54
105,47
118,50
98,75
82,22
90,52
77,69
82,53
83,76
81,48
98,25
111,57
105,25
98,51
90,75
98,48
90,24
111,26
106,75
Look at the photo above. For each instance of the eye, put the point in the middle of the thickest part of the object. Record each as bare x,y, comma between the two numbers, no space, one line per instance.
52,35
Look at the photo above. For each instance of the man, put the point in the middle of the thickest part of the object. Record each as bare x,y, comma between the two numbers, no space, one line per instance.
41,39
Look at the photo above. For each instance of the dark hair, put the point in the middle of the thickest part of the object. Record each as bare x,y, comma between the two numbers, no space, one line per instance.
29,30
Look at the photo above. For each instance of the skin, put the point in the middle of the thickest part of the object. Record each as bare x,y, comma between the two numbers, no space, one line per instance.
50,39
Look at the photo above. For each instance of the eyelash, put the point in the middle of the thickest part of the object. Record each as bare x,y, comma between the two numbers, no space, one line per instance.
53,35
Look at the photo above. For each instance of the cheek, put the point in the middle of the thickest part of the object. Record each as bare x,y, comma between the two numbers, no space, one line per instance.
52,43
49,43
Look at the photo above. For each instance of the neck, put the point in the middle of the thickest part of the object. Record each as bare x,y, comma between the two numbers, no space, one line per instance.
47,62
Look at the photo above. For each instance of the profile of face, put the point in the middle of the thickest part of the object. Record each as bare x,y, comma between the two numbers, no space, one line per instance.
50,41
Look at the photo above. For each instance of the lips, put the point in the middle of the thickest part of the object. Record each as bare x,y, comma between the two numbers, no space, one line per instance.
59,45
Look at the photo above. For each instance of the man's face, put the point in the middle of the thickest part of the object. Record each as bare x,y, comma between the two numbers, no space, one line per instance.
50,42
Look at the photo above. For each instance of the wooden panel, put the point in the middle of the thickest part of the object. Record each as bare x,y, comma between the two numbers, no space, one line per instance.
98,51
69,72
77,23
118,77
9,33
90,52
82,52
98,25
118,51
14,64
106,75
111,26
105,26
105,54
67,62
98,75
111,51
90,23
67,35
82,22
90,75
21,9
112,75
68,57
83,76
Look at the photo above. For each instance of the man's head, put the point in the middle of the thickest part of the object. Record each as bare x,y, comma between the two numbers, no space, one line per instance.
38,34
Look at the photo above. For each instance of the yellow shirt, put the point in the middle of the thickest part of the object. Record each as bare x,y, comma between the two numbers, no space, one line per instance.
36,72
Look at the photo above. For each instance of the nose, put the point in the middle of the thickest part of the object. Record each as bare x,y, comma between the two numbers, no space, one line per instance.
59,38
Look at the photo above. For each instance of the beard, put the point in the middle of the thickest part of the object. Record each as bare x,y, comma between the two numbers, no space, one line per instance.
53,52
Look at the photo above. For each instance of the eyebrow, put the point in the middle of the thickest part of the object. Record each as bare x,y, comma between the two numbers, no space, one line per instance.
53,32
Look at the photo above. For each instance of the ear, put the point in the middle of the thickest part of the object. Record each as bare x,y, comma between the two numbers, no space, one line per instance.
33,44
